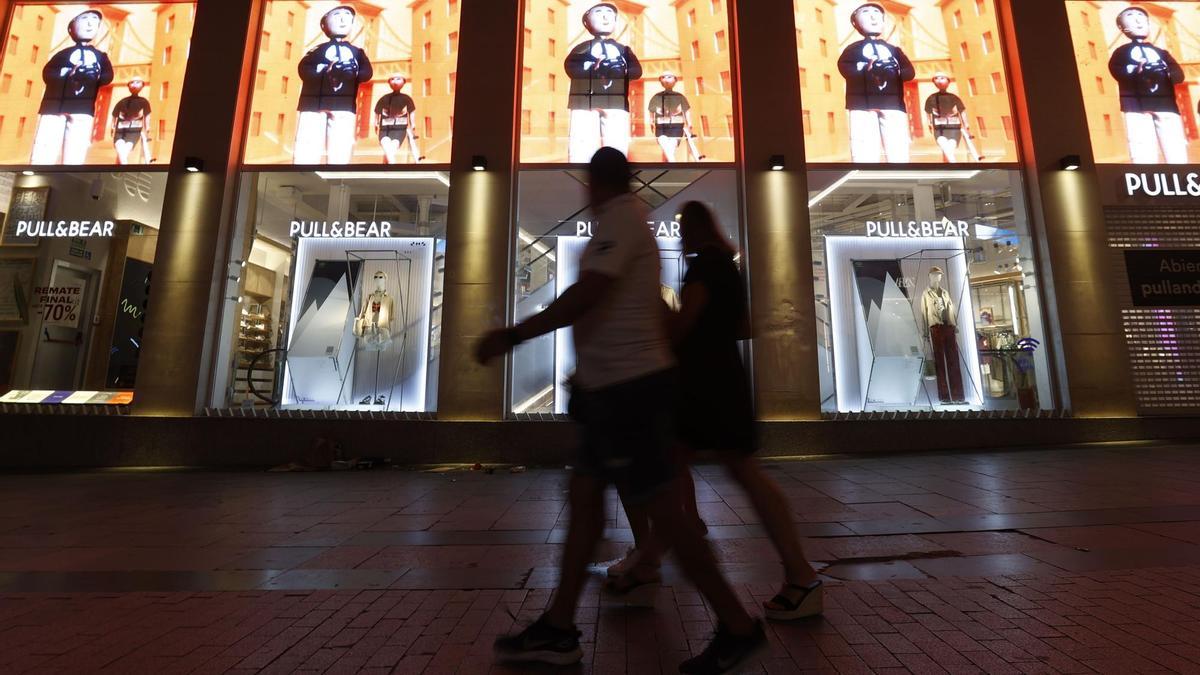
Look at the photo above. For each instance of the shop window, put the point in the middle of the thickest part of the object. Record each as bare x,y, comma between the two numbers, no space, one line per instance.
927,293
553,227
79,257
318,317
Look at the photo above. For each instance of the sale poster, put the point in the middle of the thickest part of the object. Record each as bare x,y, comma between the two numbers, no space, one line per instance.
61,303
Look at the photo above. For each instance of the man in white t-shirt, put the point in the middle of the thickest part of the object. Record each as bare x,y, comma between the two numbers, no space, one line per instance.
624,400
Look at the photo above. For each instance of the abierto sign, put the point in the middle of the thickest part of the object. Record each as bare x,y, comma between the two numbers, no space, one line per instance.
1163,278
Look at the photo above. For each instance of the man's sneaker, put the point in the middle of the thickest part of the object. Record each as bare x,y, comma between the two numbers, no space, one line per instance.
726,651
540,642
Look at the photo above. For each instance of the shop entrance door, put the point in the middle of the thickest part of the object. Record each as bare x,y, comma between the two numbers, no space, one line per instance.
62,345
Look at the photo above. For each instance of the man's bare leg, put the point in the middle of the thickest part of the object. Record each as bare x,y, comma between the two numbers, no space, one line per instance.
584,530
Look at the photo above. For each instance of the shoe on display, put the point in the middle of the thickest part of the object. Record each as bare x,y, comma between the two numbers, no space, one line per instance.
726,651
379,401
366,401
811,602
542,643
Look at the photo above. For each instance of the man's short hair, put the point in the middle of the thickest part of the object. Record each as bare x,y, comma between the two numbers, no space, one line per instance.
609,168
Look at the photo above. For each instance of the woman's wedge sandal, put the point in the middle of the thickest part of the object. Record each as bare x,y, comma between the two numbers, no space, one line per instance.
636,588
783,608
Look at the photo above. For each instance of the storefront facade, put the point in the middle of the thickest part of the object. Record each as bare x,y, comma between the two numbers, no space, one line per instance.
939,225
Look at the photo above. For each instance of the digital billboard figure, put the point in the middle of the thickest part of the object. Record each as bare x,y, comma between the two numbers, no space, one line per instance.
1146,77
393,122
875,73
600,70
671,113
131,119
330,75
948,120
73,78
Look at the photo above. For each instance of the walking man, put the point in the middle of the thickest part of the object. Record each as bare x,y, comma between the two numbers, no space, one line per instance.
393,122
330,73
948,119
600,71
131,120
670,112
625,374
1146,77
875,73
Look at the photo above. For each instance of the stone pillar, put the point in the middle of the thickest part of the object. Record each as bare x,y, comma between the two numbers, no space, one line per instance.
478,224
185,302
1081,293
779,246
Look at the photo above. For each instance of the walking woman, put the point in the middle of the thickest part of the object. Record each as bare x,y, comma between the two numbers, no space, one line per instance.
716,412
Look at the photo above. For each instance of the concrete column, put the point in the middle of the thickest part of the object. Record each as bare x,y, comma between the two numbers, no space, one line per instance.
173,374
1066,212
782,303
478,224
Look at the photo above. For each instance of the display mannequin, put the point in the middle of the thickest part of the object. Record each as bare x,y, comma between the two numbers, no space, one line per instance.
393,122
600,71
875,73
330,75
1146,76
73,78
131,119
670,112
941,329
373,327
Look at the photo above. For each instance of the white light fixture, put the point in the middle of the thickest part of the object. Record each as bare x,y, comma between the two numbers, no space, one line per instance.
479,163
777,163
1070,163
385,175
830,190
26,172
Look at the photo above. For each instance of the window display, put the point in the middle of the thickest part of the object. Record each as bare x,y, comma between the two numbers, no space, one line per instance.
75,280
1140,102
334,295
651,79
342,83
927,294
100,84
898,83
554,226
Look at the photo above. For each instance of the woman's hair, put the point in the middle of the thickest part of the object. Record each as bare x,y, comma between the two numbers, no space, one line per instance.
699,230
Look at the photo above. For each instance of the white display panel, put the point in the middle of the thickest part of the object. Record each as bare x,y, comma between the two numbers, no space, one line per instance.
872,350
329,366
570,249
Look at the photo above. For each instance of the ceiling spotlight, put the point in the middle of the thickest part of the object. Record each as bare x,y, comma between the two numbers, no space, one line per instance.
26,172
193,164
479,163
777,163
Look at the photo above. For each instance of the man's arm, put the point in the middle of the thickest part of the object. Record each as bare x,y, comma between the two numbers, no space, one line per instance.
580,62
365,70
1173,68
633,67
1115,65
907,70
585,294
848,63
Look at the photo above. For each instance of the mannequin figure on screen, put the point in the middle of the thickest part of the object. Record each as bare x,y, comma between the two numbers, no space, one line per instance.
73,78
941,329
330,74
669,111
948,120
600,71
131,119
1146,77
373,327
875,72
393,122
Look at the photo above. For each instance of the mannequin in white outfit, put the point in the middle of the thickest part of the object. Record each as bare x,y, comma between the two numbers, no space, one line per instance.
373,326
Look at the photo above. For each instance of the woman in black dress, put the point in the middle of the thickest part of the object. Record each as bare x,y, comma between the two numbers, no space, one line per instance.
716,410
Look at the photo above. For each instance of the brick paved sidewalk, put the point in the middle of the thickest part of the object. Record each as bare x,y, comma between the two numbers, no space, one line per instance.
1054,561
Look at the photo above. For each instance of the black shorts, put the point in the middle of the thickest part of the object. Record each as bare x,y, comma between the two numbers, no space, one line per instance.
629,435
128,135
669,130
953,133
396,133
